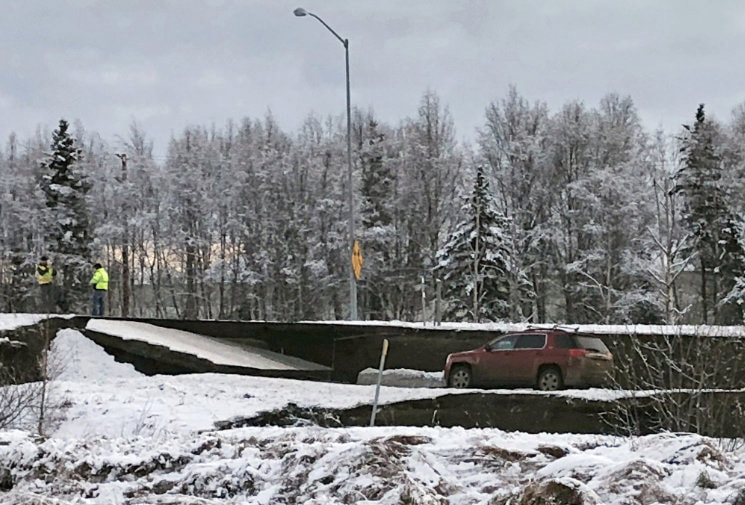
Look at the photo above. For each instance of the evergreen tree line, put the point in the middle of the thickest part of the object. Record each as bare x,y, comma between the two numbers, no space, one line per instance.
573,216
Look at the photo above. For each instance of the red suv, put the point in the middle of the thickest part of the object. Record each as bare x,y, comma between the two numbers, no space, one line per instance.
547,359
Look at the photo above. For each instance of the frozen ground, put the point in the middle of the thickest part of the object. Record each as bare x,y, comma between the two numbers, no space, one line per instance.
118,437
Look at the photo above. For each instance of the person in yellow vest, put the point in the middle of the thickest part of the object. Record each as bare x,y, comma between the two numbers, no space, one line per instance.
100,284
45,277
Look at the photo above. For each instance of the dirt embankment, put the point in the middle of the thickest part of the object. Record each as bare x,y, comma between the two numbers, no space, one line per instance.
22,348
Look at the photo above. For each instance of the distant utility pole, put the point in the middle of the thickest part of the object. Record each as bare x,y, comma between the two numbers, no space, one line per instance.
125,244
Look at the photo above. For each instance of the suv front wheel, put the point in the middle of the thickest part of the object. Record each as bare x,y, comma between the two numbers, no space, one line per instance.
460,377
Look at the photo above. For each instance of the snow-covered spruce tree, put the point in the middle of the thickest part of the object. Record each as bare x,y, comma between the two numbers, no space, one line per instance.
710,220
377,232
734,299
473,263
66,228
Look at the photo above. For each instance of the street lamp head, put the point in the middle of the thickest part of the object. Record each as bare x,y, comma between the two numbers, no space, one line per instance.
300,12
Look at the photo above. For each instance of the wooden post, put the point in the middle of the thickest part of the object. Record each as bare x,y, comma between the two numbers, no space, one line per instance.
380,377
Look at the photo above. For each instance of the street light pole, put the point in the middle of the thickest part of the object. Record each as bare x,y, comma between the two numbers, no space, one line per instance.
352,281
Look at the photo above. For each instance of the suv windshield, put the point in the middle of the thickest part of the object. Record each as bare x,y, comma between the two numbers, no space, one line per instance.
593,344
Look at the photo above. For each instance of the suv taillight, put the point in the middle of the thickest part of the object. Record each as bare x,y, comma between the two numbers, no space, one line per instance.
578,353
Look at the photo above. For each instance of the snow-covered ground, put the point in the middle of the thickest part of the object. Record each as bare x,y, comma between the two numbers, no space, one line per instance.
119,437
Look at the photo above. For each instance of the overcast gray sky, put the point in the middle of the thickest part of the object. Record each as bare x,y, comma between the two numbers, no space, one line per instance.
168,64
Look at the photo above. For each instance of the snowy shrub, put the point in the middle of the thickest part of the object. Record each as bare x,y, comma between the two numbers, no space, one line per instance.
221,481
677,384
549,492
705,481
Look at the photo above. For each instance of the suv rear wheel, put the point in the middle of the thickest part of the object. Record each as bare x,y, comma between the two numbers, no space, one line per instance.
460,377
549,379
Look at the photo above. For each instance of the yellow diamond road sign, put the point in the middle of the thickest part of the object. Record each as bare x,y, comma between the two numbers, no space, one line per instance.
357,260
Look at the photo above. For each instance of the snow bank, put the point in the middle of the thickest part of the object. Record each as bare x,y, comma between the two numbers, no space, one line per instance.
79,359
385,466
402,377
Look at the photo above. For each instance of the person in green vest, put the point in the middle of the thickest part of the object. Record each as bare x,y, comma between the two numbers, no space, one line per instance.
45,275
100,284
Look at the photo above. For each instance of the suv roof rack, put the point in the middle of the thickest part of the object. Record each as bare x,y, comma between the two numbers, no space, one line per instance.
562,327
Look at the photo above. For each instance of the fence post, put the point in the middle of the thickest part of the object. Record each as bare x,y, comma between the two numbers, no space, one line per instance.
380,377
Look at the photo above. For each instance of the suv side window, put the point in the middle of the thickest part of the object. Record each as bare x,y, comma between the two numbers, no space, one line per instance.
537,341
564,341
503,343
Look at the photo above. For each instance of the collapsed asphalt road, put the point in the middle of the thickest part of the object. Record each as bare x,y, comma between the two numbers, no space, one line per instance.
511,412
526,412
